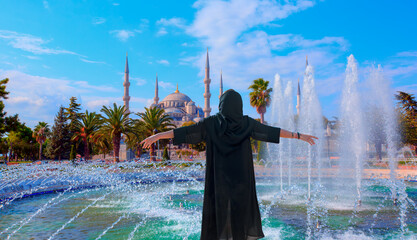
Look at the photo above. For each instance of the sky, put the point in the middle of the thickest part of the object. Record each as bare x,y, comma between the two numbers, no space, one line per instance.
52,50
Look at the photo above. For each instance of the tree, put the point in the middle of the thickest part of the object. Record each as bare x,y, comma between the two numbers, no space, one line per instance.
9,123
3,95
86,126
116,122
407,103
59,146
407,108
155,119
260,96
72,153
40,133
21,143
165,155
72,114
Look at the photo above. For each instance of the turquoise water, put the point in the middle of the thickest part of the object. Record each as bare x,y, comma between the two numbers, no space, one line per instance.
173,211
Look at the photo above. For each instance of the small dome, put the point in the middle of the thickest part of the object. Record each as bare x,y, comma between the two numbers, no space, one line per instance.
173,110
190,103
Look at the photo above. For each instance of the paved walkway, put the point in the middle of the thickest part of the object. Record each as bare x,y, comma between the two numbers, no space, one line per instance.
407,174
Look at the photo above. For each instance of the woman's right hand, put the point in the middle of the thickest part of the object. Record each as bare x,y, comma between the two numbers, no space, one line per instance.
308,138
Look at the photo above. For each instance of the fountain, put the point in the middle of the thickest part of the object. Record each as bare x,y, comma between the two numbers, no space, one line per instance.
302,193
352,187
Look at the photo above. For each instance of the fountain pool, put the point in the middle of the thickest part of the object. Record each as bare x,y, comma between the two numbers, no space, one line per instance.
126,205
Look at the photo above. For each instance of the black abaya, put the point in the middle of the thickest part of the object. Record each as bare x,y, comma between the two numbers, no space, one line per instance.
230,207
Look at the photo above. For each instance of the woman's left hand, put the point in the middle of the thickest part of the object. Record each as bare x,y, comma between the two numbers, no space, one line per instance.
308,138
148,141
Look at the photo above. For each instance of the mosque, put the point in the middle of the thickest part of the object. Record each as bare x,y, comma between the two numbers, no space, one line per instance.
178,105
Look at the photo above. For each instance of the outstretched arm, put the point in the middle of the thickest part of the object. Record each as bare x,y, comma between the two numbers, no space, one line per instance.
146,143
304,137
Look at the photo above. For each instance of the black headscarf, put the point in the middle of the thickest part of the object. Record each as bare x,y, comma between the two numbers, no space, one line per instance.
232,126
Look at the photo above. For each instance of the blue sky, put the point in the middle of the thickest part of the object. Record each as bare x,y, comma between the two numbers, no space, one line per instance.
52,50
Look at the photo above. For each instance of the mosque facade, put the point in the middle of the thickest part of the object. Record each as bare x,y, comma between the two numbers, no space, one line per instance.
178,105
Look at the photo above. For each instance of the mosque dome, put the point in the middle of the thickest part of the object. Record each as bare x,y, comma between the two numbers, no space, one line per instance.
177,96
175,99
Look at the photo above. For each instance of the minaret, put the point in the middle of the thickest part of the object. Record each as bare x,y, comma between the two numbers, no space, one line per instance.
306,61
207,93
221,84
298,98
156,98
126,84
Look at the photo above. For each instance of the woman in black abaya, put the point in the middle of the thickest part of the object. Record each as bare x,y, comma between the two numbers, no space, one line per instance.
230,207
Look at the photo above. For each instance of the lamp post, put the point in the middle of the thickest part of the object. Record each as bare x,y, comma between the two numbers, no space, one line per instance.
156,151
328,134
169,148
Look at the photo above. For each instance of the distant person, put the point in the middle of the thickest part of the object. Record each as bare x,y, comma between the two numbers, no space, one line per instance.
230,207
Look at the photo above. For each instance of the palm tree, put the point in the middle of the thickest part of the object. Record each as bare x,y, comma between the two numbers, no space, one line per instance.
407,102
40,133
134,139
102,142
87,125
407,107
155,119
260,96
115,123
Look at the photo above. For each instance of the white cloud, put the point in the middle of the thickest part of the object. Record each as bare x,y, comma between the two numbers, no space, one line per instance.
96,103
406,70
116,4
162,31
163,62
175,22
403,64
407,54
139,81
98,20
33,57
169,23
165,85
30,43
122,35
220,23
282,41
140,100
37,98
231,31
143,25
90,61
85,86
45,4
